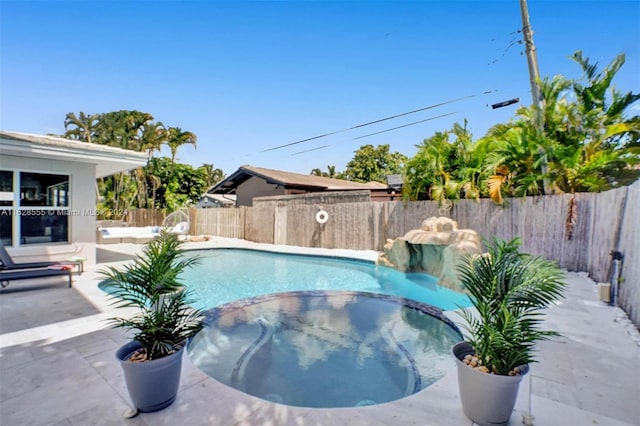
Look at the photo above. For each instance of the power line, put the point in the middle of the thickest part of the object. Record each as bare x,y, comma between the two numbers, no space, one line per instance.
377,133
404,125
309,150
373,122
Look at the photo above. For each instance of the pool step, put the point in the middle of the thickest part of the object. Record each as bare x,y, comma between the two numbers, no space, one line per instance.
266,332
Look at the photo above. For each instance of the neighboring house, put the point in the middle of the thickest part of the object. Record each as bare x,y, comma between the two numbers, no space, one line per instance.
215,200
48,194
249,182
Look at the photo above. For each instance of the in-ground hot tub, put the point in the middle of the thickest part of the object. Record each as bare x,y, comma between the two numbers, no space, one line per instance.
326,348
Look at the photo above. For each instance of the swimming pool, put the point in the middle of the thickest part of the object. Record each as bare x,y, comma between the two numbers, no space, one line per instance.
226,275
318,331
325,349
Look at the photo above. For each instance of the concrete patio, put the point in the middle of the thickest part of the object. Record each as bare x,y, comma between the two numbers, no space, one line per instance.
57,366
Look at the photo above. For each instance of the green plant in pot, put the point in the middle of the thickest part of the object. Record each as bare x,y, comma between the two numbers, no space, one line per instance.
162,323
508,289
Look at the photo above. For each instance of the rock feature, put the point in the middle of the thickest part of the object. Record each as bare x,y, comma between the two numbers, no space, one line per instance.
436,249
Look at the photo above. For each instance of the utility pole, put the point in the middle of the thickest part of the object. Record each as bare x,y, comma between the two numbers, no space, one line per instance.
532,58
536,92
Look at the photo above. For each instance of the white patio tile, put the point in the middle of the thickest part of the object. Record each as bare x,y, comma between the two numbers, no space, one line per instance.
58,366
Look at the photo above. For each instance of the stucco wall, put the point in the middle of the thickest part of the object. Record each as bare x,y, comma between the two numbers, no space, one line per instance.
82,206
255,187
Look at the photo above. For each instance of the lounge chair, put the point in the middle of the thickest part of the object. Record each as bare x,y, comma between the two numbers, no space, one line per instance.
9,264
11,271
23,274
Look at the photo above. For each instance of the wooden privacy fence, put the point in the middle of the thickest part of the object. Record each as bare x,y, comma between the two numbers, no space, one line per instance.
605,222
223,222
145,217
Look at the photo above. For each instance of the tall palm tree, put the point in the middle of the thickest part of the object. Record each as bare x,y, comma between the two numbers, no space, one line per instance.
123,129
152,137
594,151
587,139
176,138
81,127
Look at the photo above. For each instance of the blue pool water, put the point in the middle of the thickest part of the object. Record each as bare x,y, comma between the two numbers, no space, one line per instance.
226,275
325,349
316,331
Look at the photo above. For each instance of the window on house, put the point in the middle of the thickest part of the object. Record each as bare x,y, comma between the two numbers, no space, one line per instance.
6,204
6,227
6,188
37,189
34,208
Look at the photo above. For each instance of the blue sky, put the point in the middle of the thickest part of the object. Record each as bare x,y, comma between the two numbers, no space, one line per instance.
249,76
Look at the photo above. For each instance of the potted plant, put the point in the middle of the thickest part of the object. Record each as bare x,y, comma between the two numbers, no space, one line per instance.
162,324
508,290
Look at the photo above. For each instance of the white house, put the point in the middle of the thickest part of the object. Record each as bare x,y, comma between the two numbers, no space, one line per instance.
48,194
215,201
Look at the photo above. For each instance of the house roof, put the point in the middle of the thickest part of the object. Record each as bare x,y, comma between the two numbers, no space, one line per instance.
108,160
221,198
290,180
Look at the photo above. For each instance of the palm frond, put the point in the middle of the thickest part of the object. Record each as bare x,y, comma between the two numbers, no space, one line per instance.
165,319
508,290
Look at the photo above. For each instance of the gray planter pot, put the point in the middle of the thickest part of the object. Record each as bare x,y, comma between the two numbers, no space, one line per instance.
152,385
487,399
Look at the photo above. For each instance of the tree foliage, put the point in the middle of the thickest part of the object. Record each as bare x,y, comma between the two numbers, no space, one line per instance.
181,183
374,164
508,291
587,138
588,143
330,173
446,166
163,183
151,284
210,174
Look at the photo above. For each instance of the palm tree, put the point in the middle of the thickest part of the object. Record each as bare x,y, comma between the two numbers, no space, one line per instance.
593,96
176,138
211,174
330,173
153,136
513,160
508,291
164,319
588,142
123,129
444,168
82,126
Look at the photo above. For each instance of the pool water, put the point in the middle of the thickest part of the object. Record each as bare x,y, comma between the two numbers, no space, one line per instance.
225,275
325,349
